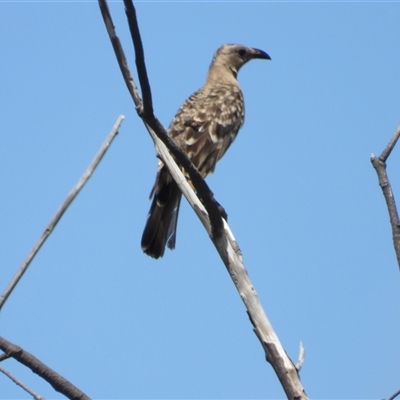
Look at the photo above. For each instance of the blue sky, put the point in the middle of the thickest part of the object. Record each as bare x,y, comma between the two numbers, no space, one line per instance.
302,197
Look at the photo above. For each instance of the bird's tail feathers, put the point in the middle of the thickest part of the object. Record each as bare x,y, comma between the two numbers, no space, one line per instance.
160,229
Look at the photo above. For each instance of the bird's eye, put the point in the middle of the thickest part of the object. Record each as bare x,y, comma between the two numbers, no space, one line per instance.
242,52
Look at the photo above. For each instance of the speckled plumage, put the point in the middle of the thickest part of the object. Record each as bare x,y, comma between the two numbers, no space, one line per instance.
204,127
207,123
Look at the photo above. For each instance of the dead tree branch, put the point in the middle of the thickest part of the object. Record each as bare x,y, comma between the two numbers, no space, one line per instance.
224,240
59,383
68,200
379,163
21,384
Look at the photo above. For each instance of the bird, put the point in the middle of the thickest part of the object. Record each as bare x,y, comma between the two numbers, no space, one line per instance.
204,127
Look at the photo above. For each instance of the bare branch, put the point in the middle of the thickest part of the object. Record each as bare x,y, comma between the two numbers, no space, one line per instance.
68,200
140,63
22,385
379,163
213,208
386,153
300,361
231,255
123,64
59,383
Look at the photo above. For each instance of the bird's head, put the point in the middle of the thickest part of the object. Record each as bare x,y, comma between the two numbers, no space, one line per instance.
233,56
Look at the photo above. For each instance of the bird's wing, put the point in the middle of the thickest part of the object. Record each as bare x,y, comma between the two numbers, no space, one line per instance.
207,123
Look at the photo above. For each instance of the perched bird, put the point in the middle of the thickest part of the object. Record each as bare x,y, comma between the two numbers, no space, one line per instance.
204,127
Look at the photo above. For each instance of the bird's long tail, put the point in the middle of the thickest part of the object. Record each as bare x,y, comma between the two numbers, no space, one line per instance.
160,229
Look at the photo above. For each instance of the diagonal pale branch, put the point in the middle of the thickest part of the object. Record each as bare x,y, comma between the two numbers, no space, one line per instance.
21,384
59,383
379,163
68,200
231,255
224,241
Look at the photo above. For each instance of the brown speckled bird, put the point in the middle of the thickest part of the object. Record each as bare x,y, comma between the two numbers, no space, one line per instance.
204,127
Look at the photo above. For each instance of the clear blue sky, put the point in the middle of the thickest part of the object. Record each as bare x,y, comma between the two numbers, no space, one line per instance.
302,197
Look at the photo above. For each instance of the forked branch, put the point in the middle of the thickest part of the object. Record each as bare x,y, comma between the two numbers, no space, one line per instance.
145,110
379,164
224,241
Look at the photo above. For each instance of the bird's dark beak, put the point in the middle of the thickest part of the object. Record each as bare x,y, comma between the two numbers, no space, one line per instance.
257,53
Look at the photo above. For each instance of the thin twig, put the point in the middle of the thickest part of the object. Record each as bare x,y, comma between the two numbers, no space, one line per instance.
22,385
68,200
300,361
386,153
379,163
59,383
228,249
213,208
